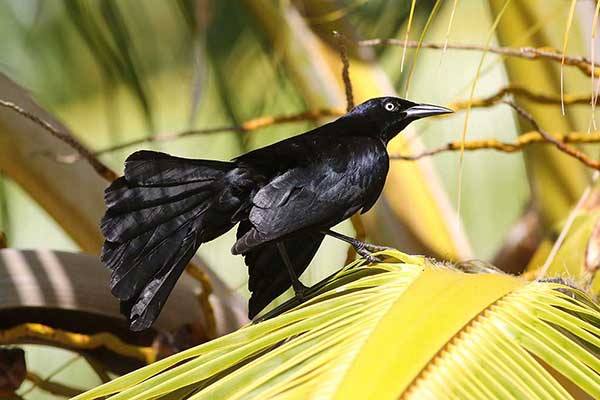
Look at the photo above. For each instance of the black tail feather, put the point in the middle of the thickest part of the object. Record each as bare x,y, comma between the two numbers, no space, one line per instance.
154,225
152,168
122,198
143,309
136,260
120,226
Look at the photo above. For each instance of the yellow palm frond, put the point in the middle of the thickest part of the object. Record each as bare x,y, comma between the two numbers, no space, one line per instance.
407,327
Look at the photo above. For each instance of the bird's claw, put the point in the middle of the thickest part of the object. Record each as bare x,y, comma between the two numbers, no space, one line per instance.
365,252
300,291
373,248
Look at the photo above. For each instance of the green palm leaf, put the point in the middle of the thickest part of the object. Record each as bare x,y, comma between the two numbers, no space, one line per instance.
407,327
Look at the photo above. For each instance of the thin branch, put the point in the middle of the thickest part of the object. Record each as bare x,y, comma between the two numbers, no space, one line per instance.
408,25
357,224
530,53
525,139
51,387
536,136
341,40
48,379
312,115
573,152
66,138
521,91
248,126
77,341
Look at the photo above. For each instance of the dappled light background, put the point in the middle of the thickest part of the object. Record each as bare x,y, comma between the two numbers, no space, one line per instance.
116,72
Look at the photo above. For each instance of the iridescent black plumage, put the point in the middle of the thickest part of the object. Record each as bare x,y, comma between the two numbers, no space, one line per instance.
290,192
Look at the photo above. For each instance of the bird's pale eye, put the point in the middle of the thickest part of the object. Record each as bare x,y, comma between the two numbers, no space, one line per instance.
389,106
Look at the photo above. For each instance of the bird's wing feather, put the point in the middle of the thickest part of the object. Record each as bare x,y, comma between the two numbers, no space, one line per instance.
153,168
294,150
317,194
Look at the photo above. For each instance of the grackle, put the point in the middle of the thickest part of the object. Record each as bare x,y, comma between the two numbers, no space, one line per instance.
284,198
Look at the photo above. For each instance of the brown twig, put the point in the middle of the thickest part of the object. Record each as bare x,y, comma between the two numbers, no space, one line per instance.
51,387
562,146
65,137
525,139
357,224
530,53
341,40
248,126
536,136
311,115
76,341
521,91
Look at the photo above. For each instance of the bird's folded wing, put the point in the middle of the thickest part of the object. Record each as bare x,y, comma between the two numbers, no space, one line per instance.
311,196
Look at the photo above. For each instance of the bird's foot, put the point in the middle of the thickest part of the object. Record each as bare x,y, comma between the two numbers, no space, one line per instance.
373,248
300,291
365,250
364,253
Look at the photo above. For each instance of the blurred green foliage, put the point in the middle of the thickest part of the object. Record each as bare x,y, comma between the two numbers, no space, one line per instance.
115,71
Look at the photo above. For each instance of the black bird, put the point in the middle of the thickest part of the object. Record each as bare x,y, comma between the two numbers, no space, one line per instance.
285,198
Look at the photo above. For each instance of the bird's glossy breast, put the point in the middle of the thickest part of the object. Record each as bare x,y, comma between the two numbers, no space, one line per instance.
379,171
366,172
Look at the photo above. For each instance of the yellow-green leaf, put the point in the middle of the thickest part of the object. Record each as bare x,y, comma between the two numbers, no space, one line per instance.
408,328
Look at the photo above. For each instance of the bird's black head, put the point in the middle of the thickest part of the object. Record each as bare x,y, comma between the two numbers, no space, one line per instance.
390,115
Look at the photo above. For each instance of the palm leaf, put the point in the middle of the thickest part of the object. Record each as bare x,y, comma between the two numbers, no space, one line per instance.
114,49
577,255
19,140
406,327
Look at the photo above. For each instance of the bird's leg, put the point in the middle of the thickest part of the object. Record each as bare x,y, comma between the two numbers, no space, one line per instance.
299,288
362,248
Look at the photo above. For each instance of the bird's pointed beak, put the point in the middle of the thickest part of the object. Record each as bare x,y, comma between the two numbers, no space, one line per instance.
426,110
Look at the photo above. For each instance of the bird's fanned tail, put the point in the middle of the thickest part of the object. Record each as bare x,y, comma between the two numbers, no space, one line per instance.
157,217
